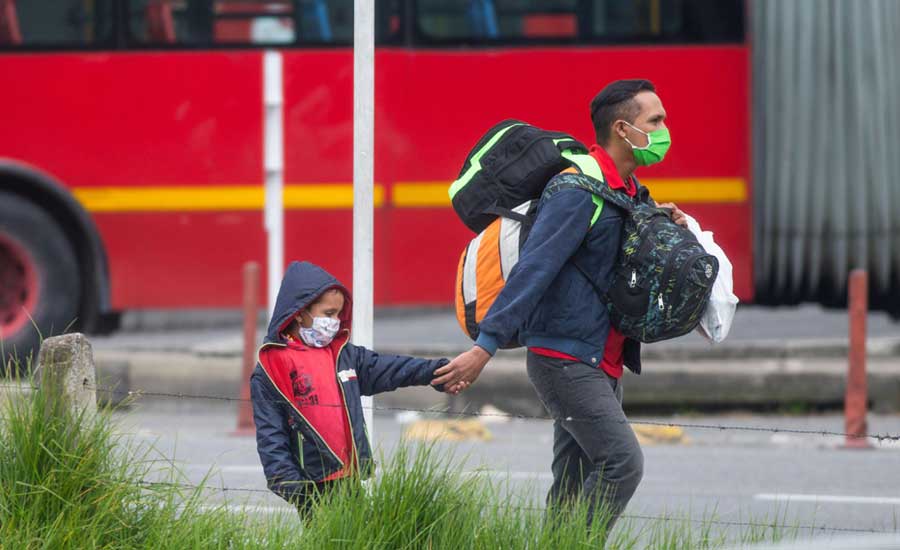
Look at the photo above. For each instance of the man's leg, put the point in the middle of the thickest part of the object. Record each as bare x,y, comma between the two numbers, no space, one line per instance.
570,467
587,403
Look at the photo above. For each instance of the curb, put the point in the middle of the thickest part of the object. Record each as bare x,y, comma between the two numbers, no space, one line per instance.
749,349
879,347
711,385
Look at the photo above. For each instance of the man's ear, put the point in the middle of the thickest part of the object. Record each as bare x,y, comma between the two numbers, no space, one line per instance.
619,129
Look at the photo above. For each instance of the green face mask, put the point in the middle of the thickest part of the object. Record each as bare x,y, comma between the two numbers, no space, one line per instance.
658,143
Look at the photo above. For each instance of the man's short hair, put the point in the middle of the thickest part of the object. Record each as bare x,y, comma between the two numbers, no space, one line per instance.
615,102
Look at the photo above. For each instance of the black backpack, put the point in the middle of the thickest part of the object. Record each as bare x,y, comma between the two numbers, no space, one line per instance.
511,164
663,276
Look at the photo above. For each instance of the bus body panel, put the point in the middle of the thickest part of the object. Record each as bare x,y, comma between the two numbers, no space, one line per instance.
176,139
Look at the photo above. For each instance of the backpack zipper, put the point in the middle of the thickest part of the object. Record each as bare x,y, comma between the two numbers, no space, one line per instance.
664,277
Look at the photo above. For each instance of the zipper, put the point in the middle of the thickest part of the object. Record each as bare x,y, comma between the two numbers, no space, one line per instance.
291,403
337,360
646,245
673,256
300,446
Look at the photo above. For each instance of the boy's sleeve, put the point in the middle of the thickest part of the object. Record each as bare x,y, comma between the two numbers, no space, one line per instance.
561,225
378,373
273,441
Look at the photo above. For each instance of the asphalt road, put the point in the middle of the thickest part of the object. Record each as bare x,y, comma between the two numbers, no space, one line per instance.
727,475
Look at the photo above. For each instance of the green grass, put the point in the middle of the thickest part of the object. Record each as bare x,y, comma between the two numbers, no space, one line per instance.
73,481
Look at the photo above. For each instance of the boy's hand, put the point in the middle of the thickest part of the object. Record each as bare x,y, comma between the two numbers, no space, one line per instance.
462,371
677,214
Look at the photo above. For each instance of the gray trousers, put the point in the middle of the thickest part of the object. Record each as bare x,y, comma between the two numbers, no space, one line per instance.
596,455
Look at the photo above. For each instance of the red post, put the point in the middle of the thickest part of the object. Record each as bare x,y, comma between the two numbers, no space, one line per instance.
251,311
856,398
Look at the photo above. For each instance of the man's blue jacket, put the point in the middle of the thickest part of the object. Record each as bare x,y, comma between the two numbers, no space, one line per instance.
547,301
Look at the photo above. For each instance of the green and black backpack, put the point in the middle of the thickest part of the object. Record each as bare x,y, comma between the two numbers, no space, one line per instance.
663,276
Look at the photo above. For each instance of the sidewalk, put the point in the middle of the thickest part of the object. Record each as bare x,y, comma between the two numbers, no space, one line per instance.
791,357
807,331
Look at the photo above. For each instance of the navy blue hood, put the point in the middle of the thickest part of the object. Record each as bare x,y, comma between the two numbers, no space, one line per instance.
303,283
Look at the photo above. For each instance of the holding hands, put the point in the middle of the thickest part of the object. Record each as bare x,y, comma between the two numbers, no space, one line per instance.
462,371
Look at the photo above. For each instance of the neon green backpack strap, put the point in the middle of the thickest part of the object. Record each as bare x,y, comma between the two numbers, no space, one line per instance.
586,164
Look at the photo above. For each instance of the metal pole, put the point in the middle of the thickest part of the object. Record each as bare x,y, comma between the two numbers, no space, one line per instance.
251,311
363,178
273,98
856,398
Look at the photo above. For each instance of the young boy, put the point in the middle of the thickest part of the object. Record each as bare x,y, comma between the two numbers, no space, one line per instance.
306,388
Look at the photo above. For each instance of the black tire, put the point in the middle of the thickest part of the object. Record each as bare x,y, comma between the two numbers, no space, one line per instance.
37,261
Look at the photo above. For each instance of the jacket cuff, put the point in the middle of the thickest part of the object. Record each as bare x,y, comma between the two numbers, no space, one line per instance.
487,342
438,363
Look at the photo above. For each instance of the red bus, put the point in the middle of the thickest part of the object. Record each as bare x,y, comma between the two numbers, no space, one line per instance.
131,161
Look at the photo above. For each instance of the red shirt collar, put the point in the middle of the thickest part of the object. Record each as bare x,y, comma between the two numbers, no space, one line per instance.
610,172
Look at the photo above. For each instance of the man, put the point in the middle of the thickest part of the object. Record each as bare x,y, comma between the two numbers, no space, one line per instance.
575,358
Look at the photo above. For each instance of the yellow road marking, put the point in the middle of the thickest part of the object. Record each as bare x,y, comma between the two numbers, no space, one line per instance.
652,434
447,430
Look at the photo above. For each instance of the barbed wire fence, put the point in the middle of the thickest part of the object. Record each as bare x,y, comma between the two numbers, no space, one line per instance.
880,438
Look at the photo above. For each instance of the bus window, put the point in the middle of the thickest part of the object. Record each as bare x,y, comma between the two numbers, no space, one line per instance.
568,21
203,23
55,23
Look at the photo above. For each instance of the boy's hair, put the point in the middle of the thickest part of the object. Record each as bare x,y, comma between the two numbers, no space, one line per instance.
615,102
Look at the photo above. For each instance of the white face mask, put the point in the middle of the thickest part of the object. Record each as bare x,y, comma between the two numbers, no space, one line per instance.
321,333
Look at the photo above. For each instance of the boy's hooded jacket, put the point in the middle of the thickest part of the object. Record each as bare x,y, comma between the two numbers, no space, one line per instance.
291,450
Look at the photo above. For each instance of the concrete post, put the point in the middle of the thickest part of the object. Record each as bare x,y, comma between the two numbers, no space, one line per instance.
66,368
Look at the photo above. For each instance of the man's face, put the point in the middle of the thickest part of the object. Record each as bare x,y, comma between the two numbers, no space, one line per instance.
329,305
651,117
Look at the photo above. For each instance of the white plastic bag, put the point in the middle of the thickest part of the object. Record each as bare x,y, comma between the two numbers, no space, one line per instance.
716,320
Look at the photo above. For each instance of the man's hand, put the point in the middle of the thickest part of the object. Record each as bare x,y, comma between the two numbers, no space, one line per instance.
462,371
677,215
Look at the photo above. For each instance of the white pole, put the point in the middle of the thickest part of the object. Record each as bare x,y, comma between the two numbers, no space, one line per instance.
363,178
273,99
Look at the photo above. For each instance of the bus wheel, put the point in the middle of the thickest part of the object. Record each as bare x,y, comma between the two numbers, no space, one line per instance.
40,285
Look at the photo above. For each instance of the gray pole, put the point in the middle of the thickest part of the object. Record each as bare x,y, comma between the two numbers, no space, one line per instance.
363,178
